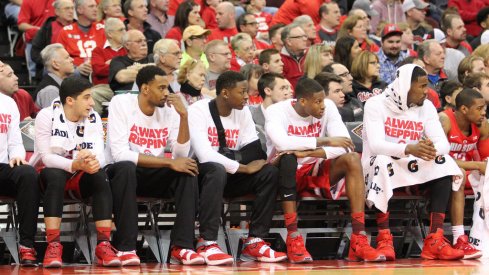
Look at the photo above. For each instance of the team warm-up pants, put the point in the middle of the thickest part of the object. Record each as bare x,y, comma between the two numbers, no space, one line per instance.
215,183
22,183
128,181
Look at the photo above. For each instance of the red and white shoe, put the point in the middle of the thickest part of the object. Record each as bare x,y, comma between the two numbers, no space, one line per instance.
106,255
255,249
185,256
436,247
385,244
296,250
470,252
212,253
360,250
52,256
27,256
129,258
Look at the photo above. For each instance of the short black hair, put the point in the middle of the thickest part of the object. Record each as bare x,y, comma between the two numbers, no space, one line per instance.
447,88
147,74
417,73
265,56
466,98
482,15
228,80
241,21
267,81
342,51
73,86
273,29
306,87
325,78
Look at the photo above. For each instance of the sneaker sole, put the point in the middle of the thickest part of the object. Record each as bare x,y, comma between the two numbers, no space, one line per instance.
303,261
272,260
220,262
473,256
429,256
198,261
53,264
132,262
113,263
29,264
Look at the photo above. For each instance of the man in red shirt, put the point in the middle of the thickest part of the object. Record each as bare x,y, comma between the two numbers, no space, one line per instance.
248,23
225,16
9,86
293,52
101,58
82,37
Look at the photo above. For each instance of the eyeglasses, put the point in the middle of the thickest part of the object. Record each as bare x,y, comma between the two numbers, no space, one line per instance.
299,36
345,74
140,41
224,54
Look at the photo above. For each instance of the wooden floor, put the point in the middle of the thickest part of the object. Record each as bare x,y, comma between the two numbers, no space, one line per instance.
404,267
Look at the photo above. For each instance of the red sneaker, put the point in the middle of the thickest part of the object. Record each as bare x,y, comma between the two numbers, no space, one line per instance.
470,252
360,250
129,258
385,245
52,256
185,256
27,256
436,247
296,250
212,253
255,249
106,255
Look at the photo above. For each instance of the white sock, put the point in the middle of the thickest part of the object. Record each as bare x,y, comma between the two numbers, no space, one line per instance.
457,231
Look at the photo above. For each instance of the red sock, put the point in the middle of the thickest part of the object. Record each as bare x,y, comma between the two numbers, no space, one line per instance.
383,220
291,222
103,234
52,235
358,222
436,221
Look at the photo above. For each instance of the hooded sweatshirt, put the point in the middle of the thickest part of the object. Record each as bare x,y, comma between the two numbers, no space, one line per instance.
388,12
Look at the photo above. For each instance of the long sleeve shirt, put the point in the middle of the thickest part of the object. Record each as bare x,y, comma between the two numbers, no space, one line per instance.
11,145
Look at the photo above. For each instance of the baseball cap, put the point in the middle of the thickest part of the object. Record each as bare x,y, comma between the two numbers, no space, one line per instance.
389,30
194,30
439,36
411,4
365,5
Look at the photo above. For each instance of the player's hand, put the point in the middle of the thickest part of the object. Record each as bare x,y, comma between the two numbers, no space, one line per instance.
254,166
90,164
481,166
83,154
344,142
185,165
421,150
17,162
176,101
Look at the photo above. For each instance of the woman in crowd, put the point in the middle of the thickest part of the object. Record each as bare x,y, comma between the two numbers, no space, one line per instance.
108,9
252,73
346,49
191,77
188,13
208,13
470,64
357,28
318,57
365,71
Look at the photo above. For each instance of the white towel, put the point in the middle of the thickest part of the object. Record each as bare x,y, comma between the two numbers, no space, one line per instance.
479,233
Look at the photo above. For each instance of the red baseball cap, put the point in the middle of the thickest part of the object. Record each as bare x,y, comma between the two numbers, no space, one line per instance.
389,30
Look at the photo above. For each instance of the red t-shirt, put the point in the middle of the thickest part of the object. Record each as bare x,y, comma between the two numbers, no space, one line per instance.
259,45
174,33
35,12
226,34
461,147
264,20
27,107
173,6
79,44
294,8
100,56
208,14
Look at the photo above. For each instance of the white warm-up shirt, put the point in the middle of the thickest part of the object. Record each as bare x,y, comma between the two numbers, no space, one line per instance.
239,127
11,145
286,130
131,132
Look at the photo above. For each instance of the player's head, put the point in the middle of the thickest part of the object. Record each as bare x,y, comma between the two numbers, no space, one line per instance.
471,104
233,88
310,97
75,93
419,87
153,85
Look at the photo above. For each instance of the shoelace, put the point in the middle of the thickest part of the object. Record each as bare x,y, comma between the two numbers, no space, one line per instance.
108,249
297,242
53,251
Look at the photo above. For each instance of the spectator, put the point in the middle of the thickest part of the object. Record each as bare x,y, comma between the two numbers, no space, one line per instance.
168,57
327,29
252,73
483,22
483,51
248,24
59,65
264,19
82,37
333,88
433,56
291,9
306,23
271,61
158,17
468,11
136,12
365,71
449,91
415,12
219,56
226,23
470,64
208,13
187,15
194,38
454,28
346,49
407,39
390,11
363,9
101,59
49,32
390,54
9,86
454,56
352,109
191,77
123,69
108,9
293,52
242,45
479,82
275,34
317,57
355,27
